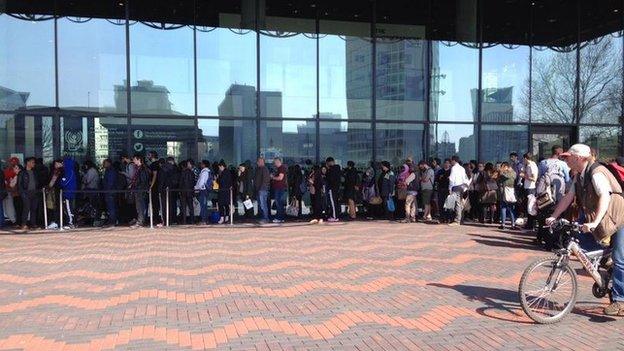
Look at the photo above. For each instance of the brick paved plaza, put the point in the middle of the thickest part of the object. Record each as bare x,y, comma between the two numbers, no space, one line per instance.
355,286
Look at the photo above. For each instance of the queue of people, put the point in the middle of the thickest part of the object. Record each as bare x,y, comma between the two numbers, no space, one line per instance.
119,192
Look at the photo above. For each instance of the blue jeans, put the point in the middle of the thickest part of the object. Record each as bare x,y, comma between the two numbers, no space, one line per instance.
588,243
263,198
280,204
504,208
203,205
111,208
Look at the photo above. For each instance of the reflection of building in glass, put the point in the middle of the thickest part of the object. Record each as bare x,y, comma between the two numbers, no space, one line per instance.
397,143
12,100
443,148
146,98
358,76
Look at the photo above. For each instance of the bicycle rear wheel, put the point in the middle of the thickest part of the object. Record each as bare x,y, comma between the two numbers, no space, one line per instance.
548,290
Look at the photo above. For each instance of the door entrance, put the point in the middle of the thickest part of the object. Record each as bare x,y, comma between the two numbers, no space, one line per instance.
543,138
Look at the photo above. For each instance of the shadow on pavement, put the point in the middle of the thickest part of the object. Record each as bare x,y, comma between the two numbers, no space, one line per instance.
504,305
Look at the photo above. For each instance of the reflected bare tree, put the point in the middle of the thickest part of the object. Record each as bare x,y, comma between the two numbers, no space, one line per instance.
600,85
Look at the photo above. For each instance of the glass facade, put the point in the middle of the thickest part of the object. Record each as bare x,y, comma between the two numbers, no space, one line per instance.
304,81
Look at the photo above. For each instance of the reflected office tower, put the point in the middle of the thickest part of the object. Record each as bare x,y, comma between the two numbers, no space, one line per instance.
240,100
496,106
10,100
444,148
333,134
147,98
359,79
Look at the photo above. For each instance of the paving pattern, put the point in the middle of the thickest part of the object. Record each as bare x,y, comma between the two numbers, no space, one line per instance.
344,286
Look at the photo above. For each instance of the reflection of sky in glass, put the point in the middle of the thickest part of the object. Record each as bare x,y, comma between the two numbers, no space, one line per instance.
27,64
223,58
91,61
459,67
166,58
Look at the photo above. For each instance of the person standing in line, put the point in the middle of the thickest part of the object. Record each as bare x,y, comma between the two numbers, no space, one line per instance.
187,183
154,167
203,187
333,188
427,178
168,178
388,181
109,186
3,195
91,182
351,188
458,183
262,182
316,183
412,182
140,184
529,175
245,188
10,203
279,185
224,179
507,179
69,185
442,187
27,184
129,209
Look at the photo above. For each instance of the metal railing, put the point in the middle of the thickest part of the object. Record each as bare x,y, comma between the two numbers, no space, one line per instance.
168,207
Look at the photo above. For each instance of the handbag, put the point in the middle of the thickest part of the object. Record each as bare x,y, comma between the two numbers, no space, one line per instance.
489,197
50,199
544,200
509,195
401,193
390,205
375,200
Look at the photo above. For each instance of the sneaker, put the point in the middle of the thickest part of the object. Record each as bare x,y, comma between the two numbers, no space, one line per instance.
428,219
159,225
333,219
615,309
453,224
314,221
132,222
278,221
24,227
221,220
320,221
136,225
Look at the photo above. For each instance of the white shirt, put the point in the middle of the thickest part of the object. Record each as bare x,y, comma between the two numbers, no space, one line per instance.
458,176
531,172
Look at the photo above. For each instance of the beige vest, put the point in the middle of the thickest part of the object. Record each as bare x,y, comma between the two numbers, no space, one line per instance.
588,199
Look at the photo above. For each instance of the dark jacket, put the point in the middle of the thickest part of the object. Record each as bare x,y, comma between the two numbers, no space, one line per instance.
245,180
388,180
110,179
3,191
333,178
295,178
225,181
168,176
262,179
23,180
350,182
319,181
141,179
187,180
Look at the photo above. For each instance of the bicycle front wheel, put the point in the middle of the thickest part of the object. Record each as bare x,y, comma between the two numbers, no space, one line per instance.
548,290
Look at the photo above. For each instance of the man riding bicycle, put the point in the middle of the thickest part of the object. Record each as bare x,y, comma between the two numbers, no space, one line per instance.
599,196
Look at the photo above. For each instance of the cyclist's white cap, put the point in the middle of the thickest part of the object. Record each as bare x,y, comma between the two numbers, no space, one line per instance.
580,150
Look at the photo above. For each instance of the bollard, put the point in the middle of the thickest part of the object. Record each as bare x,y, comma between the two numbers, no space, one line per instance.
231,207
61,203
151,211
167,204
45,209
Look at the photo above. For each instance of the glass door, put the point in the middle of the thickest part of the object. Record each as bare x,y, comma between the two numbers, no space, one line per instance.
543,138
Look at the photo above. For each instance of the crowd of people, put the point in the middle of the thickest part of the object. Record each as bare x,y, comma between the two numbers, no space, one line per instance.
120,192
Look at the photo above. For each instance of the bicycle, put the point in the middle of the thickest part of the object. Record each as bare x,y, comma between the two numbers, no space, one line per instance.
554,276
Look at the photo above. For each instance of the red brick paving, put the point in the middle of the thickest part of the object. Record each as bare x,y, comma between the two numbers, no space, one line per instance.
355,286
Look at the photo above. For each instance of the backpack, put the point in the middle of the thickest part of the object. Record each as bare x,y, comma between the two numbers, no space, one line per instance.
551,181
617,171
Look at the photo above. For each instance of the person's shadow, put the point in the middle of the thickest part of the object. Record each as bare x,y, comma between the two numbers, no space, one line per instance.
504,305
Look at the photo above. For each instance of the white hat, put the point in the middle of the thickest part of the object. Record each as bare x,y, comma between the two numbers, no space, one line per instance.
580,150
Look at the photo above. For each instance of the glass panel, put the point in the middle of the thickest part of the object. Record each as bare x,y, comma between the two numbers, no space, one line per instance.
601,80
542,141
161,70
293,141
498,141
401,77
226,58
92,65
25,136
505,84
605,140
288,68
454,82
78,138
396,142
453,139
346,141
110,138
345,69
553,85
231,140
26,63
166,136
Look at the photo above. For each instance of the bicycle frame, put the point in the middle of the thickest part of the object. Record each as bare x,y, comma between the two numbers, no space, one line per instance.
589,260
